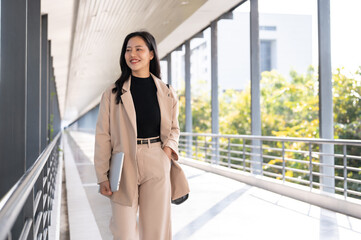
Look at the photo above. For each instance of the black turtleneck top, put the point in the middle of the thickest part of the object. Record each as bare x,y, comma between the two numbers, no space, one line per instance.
144,94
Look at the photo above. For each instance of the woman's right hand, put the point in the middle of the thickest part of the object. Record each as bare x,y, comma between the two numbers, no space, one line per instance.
104,188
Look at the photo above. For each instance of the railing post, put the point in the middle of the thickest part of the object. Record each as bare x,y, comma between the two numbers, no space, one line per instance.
229,152
196,157
261,156
216,151
244,154
205,148
345,171
189,146
311,166
283,162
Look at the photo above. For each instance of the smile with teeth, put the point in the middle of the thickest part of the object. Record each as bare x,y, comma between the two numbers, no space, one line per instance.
134,61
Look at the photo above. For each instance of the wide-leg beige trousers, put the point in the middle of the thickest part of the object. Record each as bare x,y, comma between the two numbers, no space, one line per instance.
154,199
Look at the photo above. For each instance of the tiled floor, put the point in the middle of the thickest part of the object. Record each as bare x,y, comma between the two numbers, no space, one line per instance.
221,208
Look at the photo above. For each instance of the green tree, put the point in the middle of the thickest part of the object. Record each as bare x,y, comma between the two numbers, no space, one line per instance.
201,108
289,108
347,120
347,104
235,112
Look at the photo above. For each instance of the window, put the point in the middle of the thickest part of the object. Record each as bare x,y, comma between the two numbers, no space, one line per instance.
266,55
268,28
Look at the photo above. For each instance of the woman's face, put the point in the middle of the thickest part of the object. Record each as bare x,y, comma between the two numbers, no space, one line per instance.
138,57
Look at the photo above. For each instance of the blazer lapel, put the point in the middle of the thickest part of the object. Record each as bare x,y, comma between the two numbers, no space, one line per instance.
129,105
165,106
164,101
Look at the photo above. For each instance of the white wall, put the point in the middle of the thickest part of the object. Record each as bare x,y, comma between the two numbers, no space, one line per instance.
293,39
293,46
292,49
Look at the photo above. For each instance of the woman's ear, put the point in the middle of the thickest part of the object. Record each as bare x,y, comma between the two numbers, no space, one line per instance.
151,54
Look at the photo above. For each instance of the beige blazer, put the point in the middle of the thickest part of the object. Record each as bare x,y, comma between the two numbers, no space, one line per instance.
116,131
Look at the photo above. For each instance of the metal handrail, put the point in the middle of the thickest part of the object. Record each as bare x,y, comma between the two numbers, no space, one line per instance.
285,139
13,202
255,158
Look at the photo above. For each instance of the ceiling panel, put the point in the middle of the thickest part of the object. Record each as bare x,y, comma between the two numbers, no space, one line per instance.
87,36
100,29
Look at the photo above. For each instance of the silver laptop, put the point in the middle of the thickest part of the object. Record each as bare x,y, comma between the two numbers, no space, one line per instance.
115,172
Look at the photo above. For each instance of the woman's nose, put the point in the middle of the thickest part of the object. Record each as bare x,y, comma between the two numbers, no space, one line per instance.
132,52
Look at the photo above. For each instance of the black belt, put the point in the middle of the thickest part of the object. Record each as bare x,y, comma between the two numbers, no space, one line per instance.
145,141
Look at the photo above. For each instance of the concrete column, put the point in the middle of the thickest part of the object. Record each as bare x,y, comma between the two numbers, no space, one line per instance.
13,101
50,77
187,61
325,94
57,119
44,81
214,86
56,113
13,86
169,68
256,126
52,95
33,84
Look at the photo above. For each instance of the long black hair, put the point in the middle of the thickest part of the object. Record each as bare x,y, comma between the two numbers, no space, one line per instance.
154,67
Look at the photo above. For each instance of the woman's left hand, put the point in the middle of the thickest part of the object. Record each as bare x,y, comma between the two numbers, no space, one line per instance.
168,151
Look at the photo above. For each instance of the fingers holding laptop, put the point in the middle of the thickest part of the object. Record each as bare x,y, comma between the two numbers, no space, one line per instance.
104,188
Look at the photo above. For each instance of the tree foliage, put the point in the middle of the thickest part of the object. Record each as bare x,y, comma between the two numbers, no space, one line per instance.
289,108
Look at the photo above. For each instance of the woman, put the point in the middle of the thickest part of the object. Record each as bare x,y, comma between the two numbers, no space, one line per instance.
138,115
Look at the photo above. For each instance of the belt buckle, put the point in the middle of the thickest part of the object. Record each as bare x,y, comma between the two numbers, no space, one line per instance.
145,141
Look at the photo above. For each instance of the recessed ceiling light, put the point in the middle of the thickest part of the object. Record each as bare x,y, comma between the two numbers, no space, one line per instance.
184,2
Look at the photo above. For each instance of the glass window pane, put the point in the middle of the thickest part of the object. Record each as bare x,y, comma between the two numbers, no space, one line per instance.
178,70
178,83
346,66
346,34
234,72
290,29
266,55
288,65
164,70
201,82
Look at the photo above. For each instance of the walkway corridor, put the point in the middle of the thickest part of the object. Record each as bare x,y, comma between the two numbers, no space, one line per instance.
218,207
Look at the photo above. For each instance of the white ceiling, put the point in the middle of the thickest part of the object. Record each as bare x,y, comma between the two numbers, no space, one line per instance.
86,38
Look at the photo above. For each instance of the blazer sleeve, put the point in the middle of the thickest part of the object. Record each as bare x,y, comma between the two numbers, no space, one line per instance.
175,131
103,149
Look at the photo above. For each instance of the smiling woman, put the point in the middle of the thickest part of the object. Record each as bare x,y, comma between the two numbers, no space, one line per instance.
138,115
138,57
